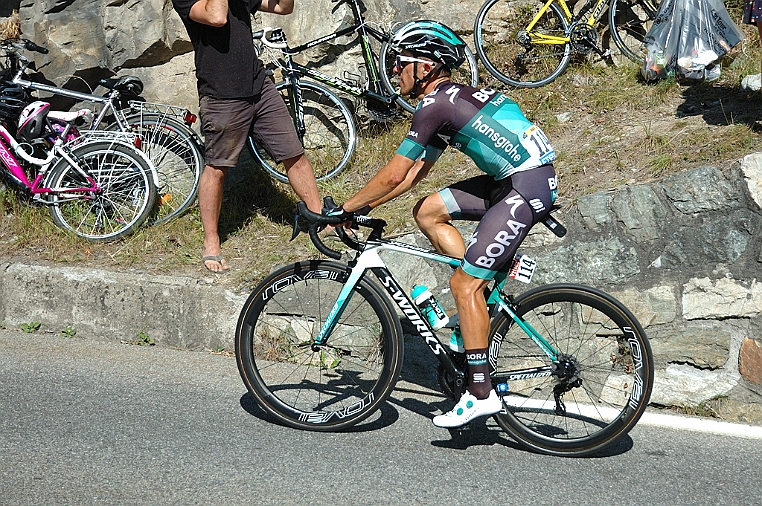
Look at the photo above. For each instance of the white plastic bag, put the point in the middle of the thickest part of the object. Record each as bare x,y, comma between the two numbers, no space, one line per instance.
687,38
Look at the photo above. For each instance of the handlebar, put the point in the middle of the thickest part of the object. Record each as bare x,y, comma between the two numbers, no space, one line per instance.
271,37
319,221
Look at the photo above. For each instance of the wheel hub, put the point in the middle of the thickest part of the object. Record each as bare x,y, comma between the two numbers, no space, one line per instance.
567,370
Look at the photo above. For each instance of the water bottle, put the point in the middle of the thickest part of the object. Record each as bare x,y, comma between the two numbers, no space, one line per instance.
429,307
456,341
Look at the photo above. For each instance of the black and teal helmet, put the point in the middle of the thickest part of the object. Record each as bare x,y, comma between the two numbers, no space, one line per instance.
431,40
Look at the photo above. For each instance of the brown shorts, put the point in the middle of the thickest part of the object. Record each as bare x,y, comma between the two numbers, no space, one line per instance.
226,123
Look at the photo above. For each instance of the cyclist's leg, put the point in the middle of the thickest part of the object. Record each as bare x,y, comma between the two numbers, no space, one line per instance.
465,200
491,248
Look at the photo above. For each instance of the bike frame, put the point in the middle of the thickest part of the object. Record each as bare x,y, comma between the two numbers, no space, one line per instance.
369,260
294,71
18,175
553,39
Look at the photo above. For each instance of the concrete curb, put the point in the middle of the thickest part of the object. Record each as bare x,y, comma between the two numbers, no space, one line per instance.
178,312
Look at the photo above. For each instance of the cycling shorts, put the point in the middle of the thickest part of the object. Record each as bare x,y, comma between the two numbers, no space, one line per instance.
505,210
226,123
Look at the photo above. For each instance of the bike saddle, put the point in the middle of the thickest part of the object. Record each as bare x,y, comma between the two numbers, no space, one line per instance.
127,84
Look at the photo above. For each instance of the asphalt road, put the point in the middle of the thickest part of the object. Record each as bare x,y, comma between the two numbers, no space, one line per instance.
84,422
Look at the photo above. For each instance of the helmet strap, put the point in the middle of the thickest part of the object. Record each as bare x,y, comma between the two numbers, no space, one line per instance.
417,88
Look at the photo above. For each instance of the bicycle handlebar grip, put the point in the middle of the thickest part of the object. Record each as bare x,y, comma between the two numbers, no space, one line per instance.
28,44
315,221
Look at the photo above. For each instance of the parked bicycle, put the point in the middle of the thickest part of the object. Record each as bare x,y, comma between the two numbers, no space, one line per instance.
529,43
99,186
319,345
164,131
323,121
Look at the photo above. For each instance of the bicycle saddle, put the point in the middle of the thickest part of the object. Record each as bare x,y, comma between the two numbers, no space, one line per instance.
127,84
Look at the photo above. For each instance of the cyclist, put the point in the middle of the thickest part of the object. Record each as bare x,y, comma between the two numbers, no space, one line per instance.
516,192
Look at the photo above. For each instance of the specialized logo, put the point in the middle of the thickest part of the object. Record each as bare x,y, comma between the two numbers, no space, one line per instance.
412,315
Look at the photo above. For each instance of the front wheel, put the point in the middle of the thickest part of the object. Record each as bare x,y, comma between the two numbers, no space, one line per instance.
467,73
597,387
327,131
125,198
330,387
515,54
629,22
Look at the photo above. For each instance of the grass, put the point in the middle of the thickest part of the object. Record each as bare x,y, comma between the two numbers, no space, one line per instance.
609,129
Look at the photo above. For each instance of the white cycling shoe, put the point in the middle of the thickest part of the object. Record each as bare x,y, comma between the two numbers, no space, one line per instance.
468,408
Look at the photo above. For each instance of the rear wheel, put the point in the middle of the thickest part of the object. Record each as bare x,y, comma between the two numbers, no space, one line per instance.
596,389
125,198
329,135
516,56
629,21
325,388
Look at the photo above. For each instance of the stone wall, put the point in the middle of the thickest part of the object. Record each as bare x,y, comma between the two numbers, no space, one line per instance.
92,39
684,255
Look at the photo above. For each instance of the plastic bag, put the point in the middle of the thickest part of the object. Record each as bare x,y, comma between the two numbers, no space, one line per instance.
687,38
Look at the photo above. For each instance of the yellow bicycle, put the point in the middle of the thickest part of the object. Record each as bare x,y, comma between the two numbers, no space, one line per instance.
529,43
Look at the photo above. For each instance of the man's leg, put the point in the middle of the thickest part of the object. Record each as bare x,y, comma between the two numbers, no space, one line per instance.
302,180
433,219
210,189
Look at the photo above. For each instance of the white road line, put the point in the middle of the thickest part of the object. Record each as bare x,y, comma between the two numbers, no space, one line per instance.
706,425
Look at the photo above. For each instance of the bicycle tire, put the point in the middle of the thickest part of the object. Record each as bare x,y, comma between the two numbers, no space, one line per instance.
504,47
127,196
179,161
602,341
347,379
629,22
329,137
465,74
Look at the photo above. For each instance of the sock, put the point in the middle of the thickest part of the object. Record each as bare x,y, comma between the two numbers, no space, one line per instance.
479,384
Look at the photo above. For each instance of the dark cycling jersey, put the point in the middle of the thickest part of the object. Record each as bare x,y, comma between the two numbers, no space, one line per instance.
482,123
491,129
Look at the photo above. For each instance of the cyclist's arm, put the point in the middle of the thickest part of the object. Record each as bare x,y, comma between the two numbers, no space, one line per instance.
277,6
386,181
210,12
419,171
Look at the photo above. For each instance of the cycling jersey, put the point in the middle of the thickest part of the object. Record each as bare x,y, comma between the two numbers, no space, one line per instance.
486,125
491,129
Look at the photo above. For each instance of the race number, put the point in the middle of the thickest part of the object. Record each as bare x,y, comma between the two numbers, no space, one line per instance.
523,268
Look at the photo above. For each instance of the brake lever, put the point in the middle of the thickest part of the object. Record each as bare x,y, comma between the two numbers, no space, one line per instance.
297,228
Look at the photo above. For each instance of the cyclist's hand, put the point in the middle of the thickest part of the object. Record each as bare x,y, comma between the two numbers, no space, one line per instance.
338,212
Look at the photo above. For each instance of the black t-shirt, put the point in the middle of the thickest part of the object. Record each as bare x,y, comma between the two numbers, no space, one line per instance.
226,65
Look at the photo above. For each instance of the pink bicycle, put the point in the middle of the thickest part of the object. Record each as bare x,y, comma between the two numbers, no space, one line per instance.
99,185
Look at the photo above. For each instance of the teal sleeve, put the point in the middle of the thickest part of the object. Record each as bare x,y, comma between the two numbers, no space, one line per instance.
413,150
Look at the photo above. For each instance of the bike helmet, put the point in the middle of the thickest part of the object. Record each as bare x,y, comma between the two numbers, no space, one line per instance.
431,40
32,120
13,99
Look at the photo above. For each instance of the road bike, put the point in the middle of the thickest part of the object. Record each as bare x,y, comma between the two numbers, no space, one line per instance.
164,131
99,186
529,43
324,122
319,345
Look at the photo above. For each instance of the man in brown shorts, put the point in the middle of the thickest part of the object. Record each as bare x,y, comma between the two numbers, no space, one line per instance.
235,96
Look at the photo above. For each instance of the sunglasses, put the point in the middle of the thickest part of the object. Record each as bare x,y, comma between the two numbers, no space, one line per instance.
402,61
